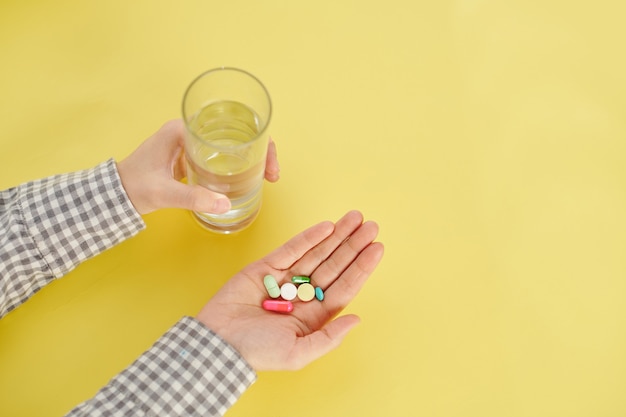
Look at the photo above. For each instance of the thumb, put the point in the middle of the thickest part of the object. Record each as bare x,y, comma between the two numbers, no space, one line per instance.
196,198
322,341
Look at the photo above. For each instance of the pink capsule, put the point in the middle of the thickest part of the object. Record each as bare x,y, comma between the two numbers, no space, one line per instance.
280,306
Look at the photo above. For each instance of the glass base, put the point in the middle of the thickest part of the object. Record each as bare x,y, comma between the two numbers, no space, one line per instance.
224,228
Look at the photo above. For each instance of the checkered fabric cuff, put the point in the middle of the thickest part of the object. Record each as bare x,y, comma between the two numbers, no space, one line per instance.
49,226
189,371
73,217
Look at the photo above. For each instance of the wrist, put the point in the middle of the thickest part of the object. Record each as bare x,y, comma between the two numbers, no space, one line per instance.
132,192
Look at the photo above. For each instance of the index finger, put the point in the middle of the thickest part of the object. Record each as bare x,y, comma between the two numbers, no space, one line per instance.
295,248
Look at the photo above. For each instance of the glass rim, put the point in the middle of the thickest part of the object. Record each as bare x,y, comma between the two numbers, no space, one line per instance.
244,72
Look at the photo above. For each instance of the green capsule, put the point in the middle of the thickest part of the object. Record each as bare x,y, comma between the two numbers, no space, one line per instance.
300,279
271,286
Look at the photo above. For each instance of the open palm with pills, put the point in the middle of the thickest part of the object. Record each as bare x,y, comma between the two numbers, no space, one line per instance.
338,257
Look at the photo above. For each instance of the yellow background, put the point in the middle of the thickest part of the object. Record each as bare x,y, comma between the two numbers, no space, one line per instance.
487,138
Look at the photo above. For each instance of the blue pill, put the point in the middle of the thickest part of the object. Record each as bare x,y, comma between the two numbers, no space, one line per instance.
319,294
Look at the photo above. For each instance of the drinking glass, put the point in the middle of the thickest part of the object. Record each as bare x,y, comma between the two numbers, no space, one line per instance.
226,113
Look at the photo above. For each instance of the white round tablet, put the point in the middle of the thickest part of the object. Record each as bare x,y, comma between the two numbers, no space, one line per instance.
288,291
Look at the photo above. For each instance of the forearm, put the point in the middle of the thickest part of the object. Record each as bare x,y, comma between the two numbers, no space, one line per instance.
189,371
49,226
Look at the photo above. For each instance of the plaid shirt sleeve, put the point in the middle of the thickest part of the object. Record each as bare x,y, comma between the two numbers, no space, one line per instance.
49,226
189,371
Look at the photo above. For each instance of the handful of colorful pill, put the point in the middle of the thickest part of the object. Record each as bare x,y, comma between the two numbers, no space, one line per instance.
300,287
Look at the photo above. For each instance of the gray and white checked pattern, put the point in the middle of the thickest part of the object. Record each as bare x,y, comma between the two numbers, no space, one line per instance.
49,226
189,371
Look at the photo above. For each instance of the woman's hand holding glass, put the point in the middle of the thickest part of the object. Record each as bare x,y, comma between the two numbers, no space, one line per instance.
151,174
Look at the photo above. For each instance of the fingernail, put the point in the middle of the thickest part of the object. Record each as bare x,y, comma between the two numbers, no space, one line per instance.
221,205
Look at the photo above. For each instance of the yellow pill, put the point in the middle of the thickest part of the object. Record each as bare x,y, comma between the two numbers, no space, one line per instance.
306,292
